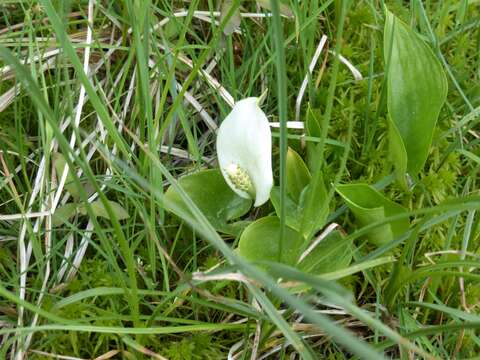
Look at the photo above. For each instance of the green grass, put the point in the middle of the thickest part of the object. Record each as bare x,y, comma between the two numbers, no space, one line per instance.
137,291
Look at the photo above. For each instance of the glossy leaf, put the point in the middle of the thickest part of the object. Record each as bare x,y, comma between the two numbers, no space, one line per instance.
417,88
313,202
293,211
313,199
369,206
298,175
213,197
260,241
331,254
309,214
398,154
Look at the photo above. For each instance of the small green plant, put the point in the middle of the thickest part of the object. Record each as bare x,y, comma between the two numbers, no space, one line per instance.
152,207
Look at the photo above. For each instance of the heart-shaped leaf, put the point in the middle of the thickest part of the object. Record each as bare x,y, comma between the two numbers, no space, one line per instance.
369,206
294,212
214,198
332,253
417,88
261,240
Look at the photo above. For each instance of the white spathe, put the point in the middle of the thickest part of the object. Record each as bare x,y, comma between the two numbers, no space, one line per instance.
244,150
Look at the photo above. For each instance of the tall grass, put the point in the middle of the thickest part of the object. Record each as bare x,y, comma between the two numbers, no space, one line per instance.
129,94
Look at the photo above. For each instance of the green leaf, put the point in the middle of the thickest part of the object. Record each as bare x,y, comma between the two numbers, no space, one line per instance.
99,209
417,88
398,154
298,175
312,127
209,191
313,122
314,203
331,254
260,241
293,217
63,213
313,199
60,163
369,206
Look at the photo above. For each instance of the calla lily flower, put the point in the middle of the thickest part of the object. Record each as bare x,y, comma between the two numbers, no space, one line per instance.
244,150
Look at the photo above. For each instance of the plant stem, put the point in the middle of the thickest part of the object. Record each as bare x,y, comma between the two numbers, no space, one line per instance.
282,112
